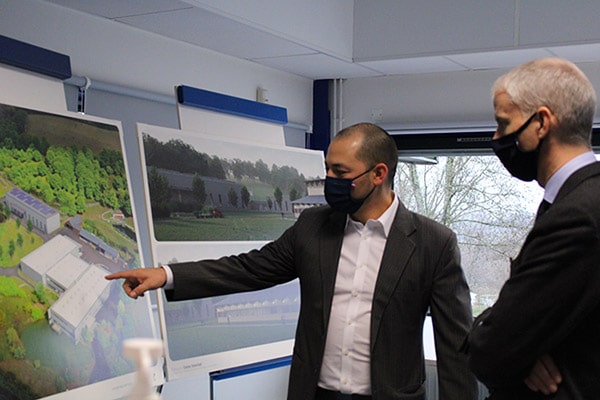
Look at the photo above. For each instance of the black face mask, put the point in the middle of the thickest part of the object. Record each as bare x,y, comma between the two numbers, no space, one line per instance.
338,194
520,164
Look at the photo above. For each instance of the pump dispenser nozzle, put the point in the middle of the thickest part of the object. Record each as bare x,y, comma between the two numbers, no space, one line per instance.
145,352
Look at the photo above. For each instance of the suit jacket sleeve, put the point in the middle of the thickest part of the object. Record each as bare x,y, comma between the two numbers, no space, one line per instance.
554,283
450,308
258,269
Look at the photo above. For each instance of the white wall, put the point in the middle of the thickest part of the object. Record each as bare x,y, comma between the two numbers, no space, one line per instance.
113,52
435,97
460,97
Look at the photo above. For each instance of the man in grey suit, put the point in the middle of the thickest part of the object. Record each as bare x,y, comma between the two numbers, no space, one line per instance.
369,271
541,339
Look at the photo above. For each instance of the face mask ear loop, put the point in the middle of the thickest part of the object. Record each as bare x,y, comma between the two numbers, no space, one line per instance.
522,128
359,175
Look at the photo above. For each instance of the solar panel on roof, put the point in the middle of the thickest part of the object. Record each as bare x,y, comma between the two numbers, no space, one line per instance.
32,202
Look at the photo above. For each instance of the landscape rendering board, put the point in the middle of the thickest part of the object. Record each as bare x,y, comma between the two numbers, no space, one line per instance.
220,197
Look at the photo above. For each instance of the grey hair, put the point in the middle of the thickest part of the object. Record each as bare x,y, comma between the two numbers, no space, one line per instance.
559,85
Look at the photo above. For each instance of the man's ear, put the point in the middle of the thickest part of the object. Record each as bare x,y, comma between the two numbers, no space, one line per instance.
381,172
547,119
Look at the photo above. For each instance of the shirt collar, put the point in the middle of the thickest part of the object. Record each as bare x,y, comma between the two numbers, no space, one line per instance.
385,220
558,179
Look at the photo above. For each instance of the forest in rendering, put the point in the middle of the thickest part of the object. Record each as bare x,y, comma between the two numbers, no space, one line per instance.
61,175
258,181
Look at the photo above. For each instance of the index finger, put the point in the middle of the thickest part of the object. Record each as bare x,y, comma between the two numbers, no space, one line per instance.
117,275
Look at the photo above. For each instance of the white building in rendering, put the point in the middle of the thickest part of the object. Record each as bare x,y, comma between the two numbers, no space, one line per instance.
29,208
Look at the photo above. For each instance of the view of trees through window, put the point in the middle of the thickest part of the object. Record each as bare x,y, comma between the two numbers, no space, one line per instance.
490,212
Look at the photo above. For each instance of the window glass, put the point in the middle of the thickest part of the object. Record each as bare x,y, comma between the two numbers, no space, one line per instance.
490,211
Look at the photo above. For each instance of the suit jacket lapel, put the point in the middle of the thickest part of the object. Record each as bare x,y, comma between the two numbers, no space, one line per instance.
398,250
330,247
578,176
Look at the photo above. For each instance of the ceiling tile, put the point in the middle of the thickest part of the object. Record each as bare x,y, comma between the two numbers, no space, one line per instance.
418,65
578,53
122,8
543,23
497,59
318,66
209,30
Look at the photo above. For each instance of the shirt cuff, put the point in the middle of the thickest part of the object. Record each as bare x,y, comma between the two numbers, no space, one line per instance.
169,283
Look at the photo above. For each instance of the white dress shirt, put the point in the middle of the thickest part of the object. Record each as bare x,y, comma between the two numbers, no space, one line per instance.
346,362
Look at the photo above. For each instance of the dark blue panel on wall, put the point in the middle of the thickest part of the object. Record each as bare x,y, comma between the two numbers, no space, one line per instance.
32,58
200,98
251,368
320,137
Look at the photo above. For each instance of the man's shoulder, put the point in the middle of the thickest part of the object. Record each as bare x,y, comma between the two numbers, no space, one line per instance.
314,219
588,171
316,212
423,222
581,186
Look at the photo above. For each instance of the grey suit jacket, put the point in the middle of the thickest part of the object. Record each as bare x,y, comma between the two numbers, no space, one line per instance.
420,270
551,302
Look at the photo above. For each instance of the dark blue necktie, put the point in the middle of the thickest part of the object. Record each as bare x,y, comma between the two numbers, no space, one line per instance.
544,206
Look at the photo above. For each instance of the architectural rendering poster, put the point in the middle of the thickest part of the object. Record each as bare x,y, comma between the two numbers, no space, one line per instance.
65,222
212,197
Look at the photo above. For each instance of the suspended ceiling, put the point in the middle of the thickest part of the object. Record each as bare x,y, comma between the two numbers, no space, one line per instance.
202,23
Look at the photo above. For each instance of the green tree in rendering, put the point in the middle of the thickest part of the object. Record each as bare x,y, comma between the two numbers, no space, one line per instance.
278,194
199,191
232,196
160,193
294,194
245,196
